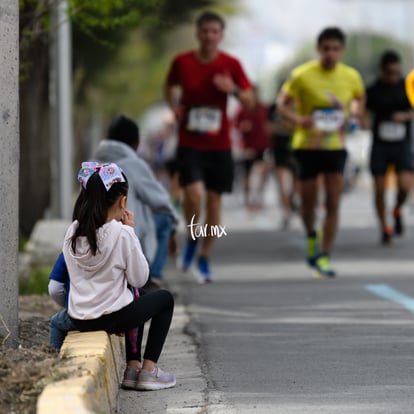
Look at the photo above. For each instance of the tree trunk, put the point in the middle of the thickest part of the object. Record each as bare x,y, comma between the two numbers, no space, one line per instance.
35,140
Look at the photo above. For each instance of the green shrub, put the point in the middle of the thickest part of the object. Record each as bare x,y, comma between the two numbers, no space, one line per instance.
37,281
22,242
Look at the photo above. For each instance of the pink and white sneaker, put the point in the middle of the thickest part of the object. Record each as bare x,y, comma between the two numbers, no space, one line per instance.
156,380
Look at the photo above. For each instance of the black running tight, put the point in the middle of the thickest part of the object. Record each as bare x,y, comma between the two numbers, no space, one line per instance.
157,306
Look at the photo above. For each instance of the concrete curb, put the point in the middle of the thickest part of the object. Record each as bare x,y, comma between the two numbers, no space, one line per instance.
91,358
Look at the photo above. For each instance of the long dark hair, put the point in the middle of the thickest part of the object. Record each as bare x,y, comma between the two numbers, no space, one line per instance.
91,208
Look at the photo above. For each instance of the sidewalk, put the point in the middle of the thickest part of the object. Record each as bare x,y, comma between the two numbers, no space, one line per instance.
180,357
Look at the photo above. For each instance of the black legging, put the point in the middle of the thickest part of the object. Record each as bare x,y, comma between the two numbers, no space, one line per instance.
157,306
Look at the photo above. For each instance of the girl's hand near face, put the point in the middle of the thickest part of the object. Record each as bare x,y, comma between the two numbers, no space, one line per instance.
128,218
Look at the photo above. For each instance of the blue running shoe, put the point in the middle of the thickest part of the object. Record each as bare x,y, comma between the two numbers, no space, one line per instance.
185,260
203,272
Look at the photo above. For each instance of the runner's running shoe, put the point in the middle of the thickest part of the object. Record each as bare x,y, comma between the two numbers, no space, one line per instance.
203,272
285,222
398,224
185,260
323,266
386,236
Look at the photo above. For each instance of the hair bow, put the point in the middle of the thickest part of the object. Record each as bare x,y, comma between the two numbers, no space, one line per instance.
109,173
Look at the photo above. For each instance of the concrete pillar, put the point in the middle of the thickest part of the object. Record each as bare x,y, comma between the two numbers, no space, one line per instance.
9,170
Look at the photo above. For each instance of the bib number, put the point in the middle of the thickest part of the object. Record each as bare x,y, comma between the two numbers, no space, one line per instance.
206,120
392,131
328,119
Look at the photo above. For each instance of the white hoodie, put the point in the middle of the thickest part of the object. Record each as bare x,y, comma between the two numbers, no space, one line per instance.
98,284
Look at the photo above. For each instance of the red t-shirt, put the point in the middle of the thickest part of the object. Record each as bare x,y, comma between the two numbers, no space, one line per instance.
205,125
257,137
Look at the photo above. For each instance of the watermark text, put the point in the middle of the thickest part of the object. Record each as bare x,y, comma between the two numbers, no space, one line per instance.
198,230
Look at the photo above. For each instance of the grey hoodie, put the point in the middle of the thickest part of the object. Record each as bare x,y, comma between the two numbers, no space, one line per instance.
146,195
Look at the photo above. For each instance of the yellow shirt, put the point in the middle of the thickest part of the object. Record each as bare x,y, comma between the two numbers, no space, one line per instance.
326,96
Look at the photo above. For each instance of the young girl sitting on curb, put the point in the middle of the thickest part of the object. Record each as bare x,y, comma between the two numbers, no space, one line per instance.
60,322
104,256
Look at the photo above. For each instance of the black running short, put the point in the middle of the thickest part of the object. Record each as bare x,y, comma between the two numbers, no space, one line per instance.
311,163
282,153
282,158
384,154
214,168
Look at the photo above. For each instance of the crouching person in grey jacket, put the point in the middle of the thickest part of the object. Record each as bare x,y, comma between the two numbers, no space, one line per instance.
155,217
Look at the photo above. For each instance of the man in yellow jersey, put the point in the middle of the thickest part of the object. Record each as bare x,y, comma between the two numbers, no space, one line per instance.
322,98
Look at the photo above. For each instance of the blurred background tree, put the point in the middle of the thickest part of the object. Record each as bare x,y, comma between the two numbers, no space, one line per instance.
121,50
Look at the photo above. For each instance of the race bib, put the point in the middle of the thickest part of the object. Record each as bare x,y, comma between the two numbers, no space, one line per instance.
392,131
204,120
328,119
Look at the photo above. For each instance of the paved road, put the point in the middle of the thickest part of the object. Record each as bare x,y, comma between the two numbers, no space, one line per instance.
271,339
285,343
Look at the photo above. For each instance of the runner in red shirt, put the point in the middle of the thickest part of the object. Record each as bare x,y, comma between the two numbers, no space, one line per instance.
197,88
253,126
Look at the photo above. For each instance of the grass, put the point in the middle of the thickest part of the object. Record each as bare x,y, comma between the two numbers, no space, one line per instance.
37,282
22,243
